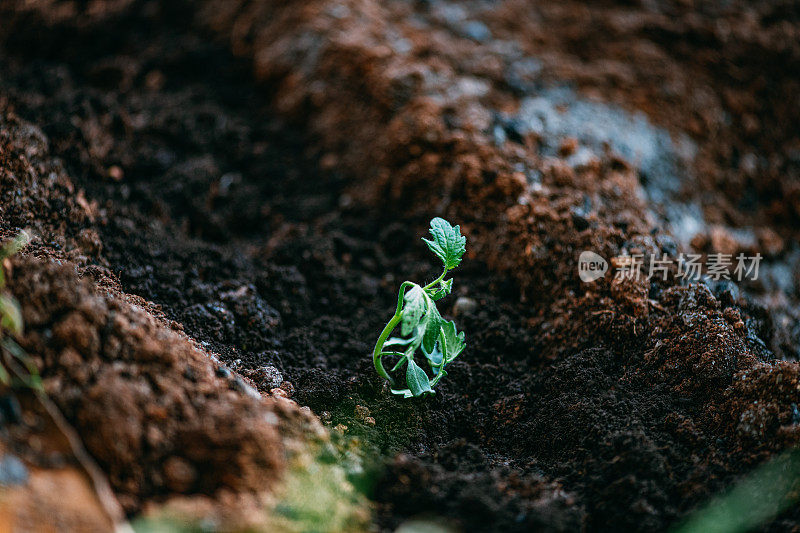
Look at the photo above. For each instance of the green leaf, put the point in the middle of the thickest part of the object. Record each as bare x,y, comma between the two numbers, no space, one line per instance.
452,341
448,243
445,286
432,322
417,380
405,393
415,303
10,315
435,358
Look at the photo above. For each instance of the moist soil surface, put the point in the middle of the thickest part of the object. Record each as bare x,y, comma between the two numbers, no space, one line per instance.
231,224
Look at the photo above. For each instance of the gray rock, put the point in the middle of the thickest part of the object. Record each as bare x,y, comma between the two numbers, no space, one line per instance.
12,471
477,31
464,305
271,377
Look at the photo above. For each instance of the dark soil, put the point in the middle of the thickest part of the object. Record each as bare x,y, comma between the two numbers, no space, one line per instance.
252,229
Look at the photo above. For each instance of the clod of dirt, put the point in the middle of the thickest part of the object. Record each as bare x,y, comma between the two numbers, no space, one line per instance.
120,377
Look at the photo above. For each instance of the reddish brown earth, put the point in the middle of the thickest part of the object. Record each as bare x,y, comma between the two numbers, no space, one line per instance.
250,180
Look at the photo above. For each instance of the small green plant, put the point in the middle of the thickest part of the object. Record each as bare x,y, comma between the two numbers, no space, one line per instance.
14,359
421,325
752,502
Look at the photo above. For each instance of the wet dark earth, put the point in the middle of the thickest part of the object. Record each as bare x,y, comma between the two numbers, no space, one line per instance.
232,220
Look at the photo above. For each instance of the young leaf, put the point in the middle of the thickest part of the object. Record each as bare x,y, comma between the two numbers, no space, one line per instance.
445,286
452,340
417,380
415,303
435,358
448,243
432,322
405,393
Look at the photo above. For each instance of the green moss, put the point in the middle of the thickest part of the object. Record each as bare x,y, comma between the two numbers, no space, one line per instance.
315,495
318,498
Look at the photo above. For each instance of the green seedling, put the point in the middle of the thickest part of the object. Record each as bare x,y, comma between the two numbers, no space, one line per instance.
421,325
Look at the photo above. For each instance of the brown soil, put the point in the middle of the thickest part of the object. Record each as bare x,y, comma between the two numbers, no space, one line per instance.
250,179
